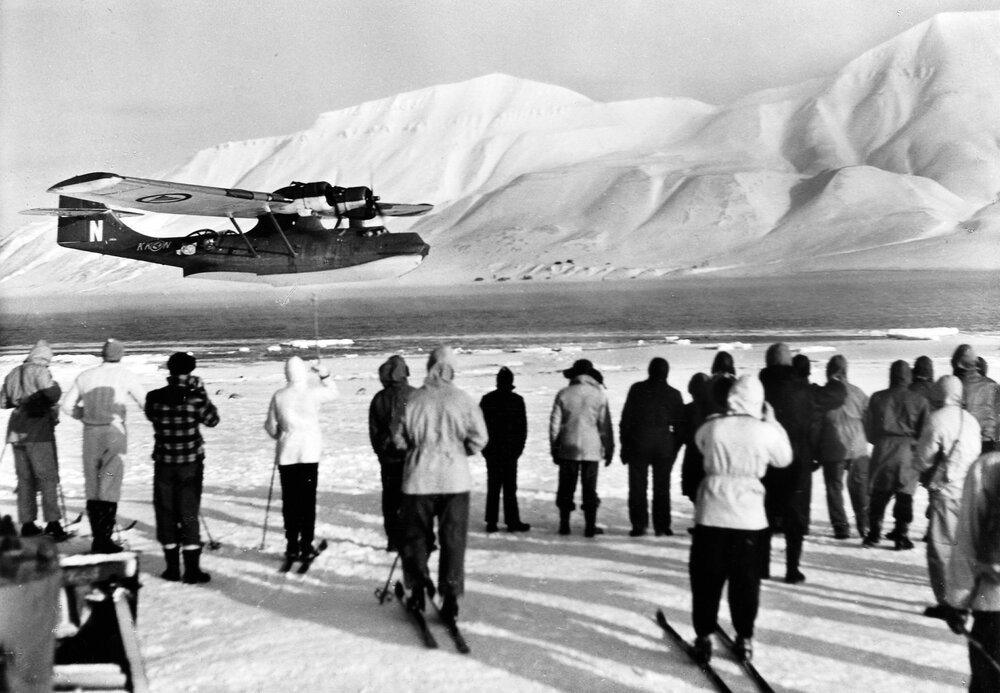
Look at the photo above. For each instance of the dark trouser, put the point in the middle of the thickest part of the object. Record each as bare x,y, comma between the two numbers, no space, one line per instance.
989,446
986,631
501,474
902,511
416,531
298,504
638,480
392,494
719,555
37,472
177,502
857,489
569,470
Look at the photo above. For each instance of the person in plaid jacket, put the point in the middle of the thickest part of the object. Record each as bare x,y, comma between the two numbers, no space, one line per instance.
177,412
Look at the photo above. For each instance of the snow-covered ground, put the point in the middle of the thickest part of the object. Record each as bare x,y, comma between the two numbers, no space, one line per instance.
542,612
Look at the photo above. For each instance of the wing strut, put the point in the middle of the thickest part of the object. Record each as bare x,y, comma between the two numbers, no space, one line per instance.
270,215
244,237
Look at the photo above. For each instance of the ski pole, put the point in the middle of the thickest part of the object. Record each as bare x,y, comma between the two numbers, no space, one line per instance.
270,490
319,357
212,543
383,593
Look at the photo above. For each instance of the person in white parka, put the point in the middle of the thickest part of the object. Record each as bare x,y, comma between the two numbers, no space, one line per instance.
293,421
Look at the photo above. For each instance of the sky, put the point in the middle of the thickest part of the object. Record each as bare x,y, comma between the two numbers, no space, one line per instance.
137,87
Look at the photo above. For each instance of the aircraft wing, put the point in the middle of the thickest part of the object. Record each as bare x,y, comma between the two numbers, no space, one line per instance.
167,197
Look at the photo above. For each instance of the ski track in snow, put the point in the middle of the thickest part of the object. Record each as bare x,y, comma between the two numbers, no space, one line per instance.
541,612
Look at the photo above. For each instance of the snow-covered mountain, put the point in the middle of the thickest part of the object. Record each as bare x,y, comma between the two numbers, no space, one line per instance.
892,163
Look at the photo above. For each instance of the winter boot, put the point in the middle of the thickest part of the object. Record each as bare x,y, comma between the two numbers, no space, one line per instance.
874,535
744,649
56,531
564,522
30,529
449,608
590,528
902,541
793,554
292,550
172,555
193,573
702,649
102,523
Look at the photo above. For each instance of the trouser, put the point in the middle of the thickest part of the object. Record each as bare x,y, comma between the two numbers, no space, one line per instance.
902,511
940,539
416,529
298,504
720,555
638,482
988,446
103,461
857,490
37,471
569,470
501,475
177,502
986,631
392,493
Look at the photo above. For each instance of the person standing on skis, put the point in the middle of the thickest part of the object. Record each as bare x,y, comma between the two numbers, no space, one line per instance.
293,421
442,427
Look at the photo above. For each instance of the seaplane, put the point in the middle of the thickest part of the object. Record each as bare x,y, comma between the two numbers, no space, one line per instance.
305,233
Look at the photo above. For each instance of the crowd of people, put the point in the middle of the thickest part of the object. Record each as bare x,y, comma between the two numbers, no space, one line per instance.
750,446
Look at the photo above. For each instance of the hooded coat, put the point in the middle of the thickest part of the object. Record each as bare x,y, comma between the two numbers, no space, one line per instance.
442,427
974,567
652,417
981,395
895,420
739,447
923,379
293,415
385,414
30,390
950,443
838,418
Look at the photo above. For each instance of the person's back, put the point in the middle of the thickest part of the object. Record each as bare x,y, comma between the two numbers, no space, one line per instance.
580,424
443,426
923,378
293,416
981,395
505,416
386,409
652,414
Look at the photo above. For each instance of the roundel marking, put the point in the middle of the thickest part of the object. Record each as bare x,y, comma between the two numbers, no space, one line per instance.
164,198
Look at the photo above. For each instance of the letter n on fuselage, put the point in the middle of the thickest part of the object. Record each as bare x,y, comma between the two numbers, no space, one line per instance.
96,231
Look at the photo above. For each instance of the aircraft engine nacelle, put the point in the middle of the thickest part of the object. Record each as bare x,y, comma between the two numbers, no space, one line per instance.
328,200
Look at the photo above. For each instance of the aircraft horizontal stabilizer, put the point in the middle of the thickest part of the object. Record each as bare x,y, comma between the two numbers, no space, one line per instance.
77,212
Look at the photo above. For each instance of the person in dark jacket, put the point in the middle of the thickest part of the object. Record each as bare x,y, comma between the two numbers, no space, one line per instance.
33,395
177,411
893,423
385,415
982,395
650,437
507,427
838,438
708,397
788,491
923,379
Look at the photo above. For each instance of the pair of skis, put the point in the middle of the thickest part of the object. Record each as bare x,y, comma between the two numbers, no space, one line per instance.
304,563
418,619
706,666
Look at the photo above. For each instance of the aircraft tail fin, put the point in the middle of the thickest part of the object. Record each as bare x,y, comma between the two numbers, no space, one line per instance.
89,225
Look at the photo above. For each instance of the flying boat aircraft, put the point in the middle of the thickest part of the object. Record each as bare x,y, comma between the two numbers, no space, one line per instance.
299,234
